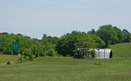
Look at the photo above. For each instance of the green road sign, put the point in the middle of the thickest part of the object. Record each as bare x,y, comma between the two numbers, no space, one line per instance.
15,46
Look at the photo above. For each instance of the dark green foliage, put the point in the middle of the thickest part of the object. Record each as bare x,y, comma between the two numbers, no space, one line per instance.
107,33
92,31
28,54
8,62
71,41
127,35
82,53
31,57
35,51
44,36
98,42
120,35
113,35
28,47
41,52
51,52
5,43
20,60
92,53
47,45
65,45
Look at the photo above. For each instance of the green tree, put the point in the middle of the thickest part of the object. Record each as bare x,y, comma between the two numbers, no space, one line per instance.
40,51
92,31
120,35
35,50
127,35
107,34
98,42
71,41
51,52
92,53
5,43
28,54
48,43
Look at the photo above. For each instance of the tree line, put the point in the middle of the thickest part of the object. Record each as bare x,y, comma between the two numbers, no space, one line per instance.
66,45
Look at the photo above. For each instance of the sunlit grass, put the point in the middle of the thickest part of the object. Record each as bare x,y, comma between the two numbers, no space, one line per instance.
5,58
68,69
121,50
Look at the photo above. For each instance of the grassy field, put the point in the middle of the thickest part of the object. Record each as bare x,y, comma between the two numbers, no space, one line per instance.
5,58
69,69
121,50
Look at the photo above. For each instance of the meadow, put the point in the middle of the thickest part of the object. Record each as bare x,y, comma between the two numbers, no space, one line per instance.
117,68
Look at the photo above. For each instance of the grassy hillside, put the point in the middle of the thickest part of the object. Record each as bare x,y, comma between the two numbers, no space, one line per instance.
5,58
69,69
121,50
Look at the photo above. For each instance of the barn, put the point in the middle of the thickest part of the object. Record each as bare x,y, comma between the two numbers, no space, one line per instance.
103,53
87,53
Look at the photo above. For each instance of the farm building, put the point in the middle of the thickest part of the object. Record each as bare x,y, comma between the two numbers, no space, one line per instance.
103,53
98,53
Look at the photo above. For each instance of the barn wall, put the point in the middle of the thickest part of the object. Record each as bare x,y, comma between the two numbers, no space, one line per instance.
102,53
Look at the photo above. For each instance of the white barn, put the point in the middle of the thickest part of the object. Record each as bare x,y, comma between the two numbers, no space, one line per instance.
103,53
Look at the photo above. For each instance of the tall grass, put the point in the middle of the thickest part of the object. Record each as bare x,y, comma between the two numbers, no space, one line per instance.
68,69
121,50
5,58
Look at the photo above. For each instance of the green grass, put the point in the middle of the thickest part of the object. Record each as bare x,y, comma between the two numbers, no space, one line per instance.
121,50
69,69
5,58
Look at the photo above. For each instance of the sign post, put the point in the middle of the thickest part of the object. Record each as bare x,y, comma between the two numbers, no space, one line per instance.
15,47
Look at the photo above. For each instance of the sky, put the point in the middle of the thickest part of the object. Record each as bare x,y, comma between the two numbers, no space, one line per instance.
57,17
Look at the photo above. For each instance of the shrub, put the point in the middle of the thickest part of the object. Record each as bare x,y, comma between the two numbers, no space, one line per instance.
20,60
97,63
31,57
92,53
28,54
37,55
8,62
51,52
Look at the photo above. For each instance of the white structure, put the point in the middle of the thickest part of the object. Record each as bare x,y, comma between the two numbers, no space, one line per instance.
103,53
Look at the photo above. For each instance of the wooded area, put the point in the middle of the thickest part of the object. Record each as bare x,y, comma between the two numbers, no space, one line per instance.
66,45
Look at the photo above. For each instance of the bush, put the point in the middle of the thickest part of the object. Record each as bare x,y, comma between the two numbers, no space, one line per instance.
37,55
51,52
42,54
82,53
8,62
20,60
31,57
98,63
28,54
92,53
